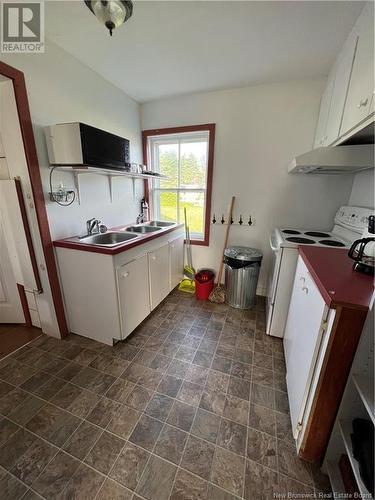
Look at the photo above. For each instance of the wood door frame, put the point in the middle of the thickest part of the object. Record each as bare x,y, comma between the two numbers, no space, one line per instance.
211,129
24,118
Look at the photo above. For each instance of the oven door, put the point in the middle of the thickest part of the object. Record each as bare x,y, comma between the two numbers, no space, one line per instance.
273,278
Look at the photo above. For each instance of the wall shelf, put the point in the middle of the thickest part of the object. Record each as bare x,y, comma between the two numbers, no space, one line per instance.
346,429
335,478
109,173
365,388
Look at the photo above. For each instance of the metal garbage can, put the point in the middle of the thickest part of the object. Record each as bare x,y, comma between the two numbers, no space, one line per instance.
242,265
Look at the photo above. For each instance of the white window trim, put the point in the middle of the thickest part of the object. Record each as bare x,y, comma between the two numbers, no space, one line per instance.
181,137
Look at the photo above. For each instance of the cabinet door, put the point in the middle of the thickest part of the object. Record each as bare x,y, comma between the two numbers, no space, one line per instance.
176,249
343,69
302,339
361,88
159,274
325,104
133,291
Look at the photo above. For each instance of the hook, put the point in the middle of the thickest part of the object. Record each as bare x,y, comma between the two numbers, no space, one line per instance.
214,219
250,221
240,222
231,220
222,219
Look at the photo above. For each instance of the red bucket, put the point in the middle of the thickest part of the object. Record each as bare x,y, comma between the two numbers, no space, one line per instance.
204,283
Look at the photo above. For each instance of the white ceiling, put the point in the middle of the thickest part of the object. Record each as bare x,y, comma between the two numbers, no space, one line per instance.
170,48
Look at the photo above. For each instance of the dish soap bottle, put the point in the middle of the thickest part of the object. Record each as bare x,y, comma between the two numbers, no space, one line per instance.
144,209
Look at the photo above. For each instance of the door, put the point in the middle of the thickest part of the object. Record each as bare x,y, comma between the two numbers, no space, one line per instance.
133,293
10,304
176,249
361,86
303,333
159,274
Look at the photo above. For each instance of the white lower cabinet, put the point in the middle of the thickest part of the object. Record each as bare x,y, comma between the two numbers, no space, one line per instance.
159,267
306,323
133,293
176,251
108,296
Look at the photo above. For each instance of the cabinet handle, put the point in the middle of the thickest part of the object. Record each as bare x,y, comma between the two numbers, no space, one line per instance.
362,103
125,275
302,279
305,289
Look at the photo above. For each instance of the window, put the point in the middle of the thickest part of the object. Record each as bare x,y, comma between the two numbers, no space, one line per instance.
185,156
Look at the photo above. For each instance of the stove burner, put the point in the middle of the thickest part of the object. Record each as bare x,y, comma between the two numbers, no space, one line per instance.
332,243
290,231
297,239
317,234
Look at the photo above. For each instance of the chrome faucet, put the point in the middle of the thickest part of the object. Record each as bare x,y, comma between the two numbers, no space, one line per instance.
140,218
94,226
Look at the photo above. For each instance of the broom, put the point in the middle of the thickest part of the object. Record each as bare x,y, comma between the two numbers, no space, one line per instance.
218,293
188,283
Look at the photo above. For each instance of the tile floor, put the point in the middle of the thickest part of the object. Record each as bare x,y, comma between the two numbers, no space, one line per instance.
191,406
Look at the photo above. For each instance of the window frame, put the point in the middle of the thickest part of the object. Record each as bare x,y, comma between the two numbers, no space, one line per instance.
210,129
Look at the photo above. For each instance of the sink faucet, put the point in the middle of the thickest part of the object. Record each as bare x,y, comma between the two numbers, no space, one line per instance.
94,226
140,218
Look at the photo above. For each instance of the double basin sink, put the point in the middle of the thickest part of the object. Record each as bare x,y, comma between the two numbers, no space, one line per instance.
112,238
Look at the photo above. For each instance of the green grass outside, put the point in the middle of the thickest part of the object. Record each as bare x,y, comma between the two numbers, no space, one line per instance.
168,211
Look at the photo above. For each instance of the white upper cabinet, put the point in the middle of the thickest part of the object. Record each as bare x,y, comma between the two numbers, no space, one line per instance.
348,98
325,104
342,69
361,89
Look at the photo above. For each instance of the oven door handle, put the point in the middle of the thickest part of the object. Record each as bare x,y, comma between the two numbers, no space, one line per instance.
273,248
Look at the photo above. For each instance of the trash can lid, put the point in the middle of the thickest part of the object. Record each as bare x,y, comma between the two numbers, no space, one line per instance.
243,253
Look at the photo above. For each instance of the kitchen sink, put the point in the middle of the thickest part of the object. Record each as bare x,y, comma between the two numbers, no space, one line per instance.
142,229
108,239
160,223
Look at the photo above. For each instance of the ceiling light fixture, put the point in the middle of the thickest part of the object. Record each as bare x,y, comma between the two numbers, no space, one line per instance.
112,13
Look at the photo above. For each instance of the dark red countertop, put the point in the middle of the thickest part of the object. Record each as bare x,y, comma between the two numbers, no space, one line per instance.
77,244
333,273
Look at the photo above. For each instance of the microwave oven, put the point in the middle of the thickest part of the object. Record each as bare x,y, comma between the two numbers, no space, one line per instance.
79,144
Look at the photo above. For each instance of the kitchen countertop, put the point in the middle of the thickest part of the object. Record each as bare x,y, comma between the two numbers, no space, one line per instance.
333,273
75,243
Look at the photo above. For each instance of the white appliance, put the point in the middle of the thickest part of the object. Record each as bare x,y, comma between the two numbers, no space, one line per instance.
334,160
349,224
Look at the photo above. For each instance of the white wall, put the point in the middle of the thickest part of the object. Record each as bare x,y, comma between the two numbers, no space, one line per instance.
259,130
362,194
61,89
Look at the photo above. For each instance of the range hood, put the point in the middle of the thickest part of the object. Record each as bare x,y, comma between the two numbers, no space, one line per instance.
334,160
